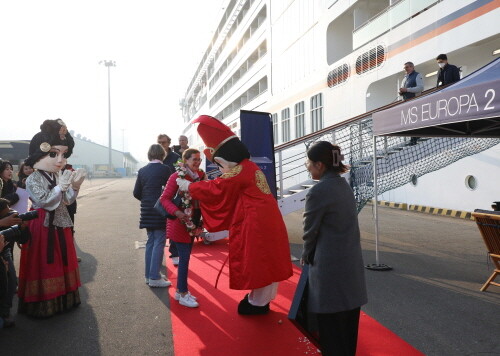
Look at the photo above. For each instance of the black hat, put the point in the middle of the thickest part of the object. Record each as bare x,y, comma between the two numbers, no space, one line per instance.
52,133
233,151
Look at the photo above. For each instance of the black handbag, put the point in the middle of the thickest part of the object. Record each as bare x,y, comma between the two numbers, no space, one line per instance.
299,315
161,210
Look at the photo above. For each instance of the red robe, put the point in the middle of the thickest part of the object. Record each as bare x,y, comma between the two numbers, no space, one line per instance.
240,201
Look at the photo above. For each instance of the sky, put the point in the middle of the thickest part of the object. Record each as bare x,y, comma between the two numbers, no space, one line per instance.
49,66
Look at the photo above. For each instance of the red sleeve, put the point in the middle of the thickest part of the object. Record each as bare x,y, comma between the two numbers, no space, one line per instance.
217,199
168,193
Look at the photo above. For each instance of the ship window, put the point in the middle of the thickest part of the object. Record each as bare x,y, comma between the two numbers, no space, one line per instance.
256,23
275,128
471,182
414,180
253,92
317,112
370,59
245,67
300,129
338,75
285,125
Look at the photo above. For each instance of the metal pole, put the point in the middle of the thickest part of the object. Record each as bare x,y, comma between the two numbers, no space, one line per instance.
109,118
377,266
109,64
375,198
280,170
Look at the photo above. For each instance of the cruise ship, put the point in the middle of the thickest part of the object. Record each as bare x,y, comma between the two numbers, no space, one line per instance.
320,64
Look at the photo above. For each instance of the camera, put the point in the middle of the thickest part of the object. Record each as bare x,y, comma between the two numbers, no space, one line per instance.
30,215
14,233
11,234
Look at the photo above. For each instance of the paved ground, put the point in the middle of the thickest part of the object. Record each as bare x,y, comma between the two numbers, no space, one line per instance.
431,298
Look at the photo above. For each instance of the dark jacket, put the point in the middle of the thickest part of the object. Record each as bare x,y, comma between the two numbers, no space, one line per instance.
171,158
9,192
448,74
332,247
177,149
148,188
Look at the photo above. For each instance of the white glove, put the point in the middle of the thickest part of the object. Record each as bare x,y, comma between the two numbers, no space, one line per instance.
65,179
78,179
226,165
183,184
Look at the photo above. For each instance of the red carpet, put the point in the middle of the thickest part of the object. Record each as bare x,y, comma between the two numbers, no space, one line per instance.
216,329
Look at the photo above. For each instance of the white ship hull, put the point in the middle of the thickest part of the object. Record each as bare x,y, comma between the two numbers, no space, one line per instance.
274,55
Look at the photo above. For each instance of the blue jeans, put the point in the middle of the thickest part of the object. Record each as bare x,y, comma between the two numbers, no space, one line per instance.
172,249
184,250
154,252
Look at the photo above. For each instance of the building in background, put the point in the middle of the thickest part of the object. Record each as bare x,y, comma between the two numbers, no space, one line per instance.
86,154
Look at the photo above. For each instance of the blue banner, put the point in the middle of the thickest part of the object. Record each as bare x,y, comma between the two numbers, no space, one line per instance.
257,135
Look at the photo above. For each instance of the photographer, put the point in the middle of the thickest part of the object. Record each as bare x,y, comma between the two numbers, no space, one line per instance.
12,229
9,188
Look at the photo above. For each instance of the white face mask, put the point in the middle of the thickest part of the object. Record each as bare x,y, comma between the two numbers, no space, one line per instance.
441,65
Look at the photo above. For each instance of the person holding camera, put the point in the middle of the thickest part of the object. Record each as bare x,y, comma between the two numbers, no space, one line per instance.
48,275
9,188
12,229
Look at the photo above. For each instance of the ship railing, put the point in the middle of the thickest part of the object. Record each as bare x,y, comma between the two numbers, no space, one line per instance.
354,136
388,19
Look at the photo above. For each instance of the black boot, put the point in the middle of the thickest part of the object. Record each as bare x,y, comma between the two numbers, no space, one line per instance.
245,308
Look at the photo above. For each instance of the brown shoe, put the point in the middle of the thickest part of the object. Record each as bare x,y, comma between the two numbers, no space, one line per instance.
78,259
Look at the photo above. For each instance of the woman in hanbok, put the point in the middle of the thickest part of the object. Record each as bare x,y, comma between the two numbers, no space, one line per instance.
48,276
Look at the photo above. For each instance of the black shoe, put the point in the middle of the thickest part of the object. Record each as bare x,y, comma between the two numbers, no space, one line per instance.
8,323
245,308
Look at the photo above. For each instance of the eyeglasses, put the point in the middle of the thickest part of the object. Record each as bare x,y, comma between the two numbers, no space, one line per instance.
195,159
162,142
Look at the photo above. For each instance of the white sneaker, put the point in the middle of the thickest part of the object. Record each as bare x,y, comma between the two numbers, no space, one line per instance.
159,283
187,301
162,276
175,261
177,296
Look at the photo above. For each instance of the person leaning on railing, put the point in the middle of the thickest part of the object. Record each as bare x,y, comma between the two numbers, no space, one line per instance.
413,83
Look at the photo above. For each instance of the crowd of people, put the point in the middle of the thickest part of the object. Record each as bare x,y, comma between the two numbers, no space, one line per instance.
239,200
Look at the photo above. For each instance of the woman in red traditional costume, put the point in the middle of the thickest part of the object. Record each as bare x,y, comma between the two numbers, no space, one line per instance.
48,274
240,201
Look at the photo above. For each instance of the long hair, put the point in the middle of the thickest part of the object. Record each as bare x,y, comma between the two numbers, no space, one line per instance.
4,165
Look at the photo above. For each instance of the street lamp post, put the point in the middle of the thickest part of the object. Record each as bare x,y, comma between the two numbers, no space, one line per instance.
109,64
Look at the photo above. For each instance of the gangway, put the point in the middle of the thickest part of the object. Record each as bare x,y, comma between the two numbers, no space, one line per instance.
399,159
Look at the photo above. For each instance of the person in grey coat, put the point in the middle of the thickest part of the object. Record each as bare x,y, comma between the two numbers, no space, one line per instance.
332,249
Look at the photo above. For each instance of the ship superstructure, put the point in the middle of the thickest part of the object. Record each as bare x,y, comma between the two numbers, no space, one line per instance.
316,63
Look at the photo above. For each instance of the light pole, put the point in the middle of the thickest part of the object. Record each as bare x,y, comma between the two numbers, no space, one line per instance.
109,64
123,140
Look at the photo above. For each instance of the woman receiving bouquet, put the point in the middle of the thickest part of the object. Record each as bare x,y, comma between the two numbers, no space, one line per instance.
188,224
